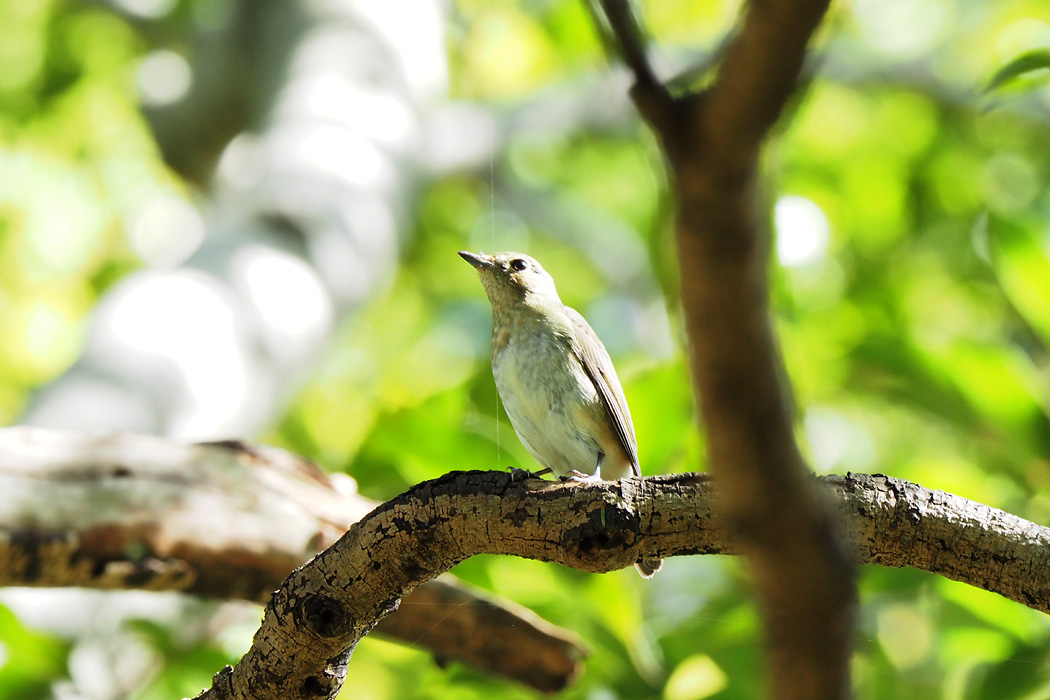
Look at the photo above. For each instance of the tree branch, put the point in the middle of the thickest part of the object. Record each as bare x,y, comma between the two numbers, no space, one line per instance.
50,482
229,521
711,141
326,607
649,94
757,76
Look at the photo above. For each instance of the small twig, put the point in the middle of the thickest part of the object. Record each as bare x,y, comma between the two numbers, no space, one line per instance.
650,95
630,41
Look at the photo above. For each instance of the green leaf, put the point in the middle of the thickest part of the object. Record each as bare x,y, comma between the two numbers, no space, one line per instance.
695,678
1022,266
32,659
1027,62
1023,675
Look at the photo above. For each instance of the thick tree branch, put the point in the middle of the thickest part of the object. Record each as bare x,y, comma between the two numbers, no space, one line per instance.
326,607
47,479
711,141
757,76
229,521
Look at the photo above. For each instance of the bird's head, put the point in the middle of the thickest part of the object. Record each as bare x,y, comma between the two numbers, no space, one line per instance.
513,278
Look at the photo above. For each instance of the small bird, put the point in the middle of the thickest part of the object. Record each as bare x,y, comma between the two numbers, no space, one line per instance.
555,377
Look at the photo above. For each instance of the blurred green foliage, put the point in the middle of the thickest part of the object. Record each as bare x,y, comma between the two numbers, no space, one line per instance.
31,661
916,335
76,156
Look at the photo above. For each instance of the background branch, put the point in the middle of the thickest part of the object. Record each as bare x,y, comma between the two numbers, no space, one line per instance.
229,521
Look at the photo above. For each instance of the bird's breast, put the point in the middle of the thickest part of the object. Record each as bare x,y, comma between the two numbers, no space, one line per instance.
548,397
540,368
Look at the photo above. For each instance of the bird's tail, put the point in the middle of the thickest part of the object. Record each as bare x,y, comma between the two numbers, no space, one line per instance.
648,567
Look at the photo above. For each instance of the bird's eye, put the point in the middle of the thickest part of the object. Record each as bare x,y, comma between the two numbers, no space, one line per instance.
518,264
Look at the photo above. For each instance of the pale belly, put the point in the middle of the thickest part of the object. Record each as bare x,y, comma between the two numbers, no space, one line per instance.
547,395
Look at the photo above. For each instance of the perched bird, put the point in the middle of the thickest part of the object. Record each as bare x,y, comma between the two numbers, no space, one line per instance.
555,377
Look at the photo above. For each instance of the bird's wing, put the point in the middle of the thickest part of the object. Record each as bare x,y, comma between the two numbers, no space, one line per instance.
594,357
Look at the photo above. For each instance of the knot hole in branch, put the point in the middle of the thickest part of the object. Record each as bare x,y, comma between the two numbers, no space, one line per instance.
608,528
318,686
324,616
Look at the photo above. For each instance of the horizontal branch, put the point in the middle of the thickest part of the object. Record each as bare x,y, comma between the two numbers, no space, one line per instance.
326,607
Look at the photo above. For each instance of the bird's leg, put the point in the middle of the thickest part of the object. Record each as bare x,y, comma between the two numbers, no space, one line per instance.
589,478
517,474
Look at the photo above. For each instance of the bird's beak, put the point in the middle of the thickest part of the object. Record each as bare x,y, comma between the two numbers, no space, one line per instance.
480,262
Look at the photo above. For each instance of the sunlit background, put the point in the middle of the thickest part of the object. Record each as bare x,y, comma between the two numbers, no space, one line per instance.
224,218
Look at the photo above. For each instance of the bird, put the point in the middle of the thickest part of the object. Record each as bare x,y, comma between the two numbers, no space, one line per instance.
555,378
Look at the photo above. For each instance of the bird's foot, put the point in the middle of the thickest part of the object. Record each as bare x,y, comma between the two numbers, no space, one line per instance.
594,478
517,474
582,478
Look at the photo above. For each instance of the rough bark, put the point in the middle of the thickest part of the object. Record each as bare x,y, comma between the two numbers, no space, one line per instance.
229,521
320,613
712,141
70,514
897,523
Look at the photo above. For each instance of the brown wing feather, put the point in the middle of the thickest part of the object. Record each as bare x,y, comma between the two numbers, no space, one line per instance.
594,357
